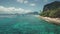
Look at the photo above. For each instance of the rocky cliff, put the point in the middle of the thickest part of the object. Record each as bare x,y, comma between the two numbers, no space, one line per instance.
52,6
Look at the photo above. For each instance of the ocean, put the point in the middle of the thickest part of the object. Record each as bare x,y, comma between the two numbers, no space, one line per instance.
27,24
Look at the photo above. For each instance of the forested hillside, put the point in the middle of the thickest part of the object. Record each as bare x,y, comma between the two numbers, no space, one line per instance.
51,10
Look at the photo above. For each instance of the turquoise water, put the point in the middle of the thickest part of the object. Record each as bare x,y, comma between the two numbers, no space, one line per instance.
27,25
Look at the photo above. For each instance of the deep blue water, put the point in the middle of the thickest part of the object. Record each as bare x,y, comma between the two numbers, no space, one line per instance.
27,25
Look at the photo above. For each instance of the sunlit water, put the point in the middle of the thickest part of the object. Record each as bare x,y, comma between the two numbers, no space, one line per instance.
27,25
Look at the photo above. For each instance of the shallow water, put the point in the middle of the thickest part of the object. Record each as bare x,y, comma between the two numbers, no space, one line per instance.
27,25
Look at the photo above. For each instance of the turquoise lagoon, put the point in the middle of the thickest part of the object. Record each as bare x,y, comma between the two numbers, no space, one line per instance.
27,25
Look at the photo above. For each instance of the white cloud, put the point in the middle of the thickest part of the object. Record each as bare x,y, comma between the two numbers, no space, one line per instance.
13,10
25,2
22,1
32,4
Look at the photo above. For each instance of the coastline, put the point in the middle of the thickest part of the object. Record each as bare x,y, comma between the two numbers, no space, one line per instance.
53,20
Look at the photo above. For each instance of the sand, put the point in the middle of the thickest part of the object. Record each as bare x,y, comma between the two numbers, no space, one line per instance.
53,20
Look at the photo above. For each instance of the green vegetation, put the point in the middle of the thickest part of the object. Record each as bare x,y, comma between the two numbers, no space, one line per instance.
51,10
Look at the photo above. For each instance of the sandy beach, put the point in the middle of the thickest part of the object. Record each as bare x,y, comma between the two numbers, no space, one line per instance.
53,20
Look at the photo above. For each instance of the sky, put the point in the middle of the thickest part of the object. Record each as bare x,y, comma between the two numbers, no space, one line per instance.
22,6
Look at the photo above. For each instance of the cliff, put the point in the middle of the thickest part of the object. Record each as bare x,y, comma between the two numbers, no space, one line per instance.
52,6
51,10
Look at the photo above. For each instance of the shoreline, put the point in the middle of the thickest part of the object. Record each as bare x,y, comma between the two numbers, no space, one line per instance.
53,20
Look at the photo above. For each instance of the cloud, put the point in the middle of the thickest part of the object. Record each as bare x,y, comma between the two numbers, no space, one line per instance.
22,1
25,2
13,10
32,4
